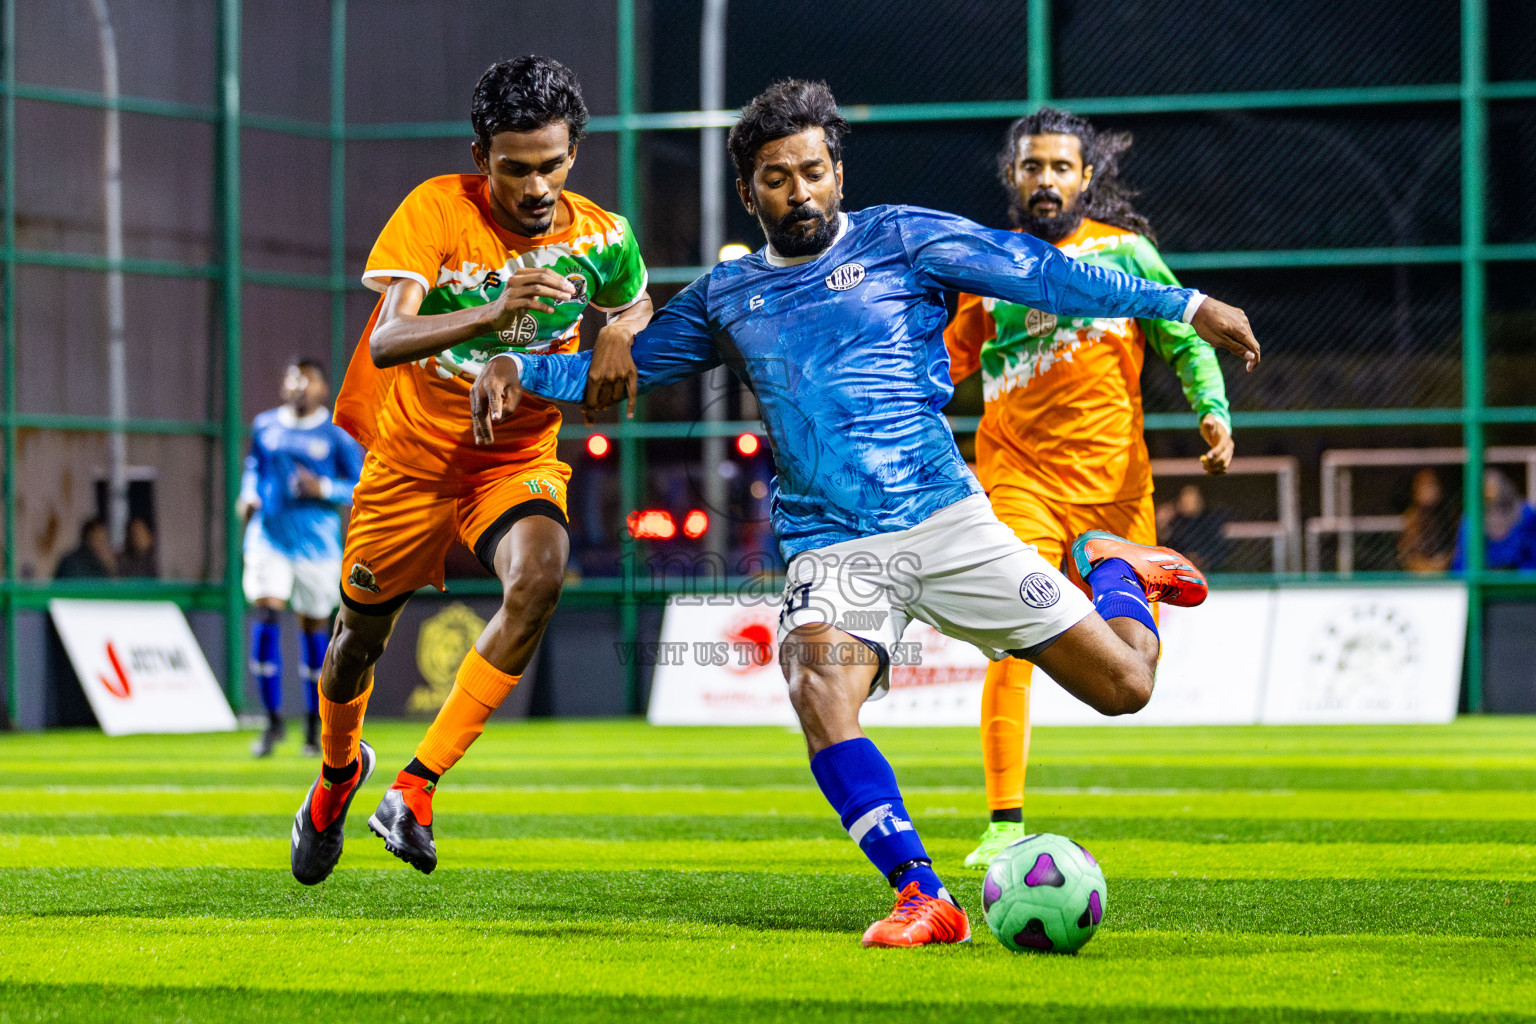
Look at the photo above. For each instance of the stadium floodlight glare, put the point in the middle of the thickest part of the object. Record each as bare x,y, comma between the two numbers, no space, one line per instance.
598,446
748,444
733,251
651,524
695,524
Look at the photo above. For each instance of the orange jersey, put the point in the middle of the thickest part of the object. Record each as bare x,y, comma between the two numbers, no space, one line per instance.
416,417
1063,411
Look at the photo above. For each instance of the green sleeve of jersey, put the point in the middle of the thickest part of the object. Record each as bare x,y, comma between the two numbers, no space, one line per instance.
1190,355
622,270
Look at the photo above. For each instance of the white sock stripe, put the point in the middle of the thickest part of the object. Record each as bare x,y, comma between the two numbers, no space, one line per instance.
1127,593
264,668
881,817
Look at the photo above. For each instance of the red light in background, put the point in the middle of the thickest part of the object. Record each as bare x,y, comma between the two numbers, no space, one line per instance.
651,524
597,446
696,523
748,444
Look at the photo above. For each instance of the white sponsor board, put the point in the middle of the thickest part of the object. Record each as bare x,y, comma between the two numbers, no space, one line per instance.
1211,673
690,687
141,667
1244,657
1366,654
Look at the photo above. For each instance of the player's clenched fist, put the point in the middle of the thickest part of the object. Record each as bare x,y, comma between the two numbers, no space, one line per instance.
525,290
494,396
1226,327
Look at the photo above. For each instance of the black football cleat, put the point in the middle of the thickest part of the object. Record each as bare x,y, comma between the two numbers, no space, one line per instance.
314,853
403,835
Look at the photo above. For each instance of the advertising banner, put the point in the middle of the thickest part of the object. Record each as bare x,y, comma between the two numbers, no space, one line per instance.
1371,655
1244,657
140,667
1211,673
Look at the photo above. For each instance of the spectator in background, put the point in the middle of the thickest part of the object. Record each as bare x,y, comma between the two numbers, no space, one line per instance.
138,557
94,558
1196,531
1429,527
1509,526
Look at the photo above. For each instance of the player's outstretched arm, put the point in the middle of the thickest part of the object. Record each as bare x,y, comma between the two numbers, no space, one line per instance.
677,344
955,253
402,334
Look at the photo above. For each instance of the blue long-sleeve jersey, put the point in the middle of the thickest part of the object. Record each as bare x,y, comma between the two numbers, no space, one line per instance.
845,353
282,444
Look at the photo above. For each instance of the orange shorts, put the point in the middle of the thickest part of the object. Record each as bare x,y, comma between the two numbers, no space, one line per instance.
402,526
1051,526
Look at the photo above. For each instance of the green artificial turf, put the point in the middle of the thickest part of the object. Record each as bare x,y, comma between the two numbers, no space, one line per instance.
608,871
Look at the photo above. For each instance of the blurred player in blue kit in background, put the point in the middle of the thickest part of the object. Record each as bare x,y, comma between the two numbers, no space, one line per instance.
298,478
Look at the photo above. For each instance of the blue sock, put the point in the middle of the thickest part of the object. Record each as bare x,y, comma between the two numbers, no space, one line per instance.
1117,593
267,664
312,648
858,782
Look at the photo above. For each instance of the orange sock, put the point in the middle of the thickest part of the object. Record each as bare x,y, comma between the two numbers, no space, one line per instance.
341,727
1005,731
479,689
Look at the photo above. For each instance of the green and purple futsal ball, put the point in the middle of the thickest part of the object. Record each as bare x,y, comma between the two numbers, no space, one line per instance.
1044,894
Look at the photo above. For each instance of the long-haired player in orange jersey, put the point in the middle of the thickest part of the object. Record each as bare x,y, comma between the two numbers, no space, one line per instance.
1060,451
470,267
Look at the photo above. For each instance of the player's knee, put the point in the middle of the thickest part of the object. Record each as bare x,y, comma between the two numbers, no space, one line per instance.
813,692
352,652
532,589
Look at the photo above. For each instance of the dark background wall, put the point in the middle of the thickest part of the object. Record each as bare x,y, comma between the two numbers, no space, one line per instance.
1382,336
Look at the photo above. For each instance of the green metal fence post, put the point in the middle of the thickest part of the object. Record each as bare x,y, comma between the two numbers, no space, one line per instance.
8,334
338,191
1474,132
631,452
1039,44
232,433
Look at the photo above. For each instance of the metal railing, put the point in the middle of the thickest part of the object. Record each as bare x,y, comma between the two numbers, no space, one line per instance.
1284,531
1338,515
1472,95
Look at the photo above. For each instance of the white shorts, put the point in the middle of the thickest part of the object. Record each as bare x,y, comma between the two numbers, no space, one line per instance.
960,570
310,586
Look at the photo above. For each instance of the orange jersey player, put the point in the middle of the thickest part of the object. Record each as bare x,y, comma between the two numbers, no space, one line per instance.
471,267
1060,451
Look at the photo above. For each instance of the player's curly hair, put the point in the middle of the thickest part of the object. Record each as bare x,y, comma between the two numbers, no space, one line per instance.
1106,198
785,108
525,94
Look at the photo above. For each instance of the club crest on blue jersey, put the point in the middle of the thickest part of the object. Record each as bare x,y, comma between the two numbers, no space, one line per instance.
845,277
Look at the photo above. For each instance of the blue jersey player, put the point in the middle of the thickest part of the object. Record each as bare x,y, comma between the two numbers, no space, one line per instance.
298,477
837,327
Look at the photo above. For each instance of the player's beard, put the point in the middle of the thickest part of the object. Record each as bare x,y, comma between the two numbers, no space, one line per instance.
792,244
1053,228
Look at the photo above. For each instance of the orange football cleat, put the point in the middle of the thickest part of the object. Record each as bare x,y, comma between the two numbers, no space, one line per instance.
918,920
1164,574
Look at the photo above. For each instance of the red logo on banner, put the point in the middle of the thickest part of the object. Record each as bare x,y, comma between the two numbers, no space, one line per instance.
752,636
118,686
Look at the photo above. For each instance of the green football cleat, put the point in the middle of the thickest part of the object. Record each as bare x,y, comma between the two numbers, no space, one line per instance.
999,834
